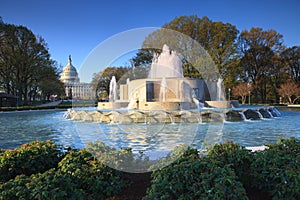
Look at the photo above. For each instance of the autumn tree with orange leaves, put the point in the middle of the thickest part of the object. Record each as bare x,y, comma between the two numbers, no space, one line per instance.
242,90
290,91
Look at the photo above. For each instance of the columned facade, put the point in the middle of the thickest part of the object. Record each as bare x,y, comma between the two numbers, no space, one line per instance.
73,87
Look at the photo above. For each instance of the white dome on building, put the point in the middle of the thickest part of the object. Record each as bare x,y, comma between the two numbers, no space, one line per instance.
73,87
69,73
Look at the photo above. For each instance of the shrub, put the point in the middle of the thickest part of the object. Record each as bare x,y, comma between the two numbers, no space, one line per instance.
191,177
30,158
236,157
48,185
277,169
123,159
94,178
78,176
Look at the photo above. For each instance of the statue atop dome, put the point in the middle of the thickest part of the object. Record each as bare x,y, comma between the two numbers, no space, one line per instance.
69,73
73,87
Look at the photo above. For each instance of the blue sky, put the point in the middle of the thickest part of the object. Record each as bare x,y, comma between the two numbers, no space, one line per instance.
77,27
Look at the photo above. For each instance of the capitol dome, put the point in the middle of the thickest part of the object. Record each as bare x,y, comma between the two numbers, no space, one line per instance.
69,73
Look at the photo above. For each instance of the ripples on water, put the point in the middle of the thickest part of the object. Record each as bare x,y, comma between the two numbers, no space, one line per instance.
17,128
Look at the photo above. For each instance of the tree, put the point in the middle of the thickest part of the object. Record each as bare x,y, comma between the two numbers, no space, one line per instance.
23,58
291,58
257,50
7,61
47,83
100,82
291,91
142,61
183,35
242,90
217,38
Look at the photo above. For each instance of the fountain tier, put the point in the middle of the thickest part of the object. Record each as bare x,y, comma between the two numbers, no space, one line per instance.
159,94
166,65
162,116
165,89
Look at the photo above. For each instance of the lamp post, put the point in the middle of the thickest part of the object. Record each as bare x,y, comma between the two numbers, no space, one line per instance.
249,98
229,93
17,98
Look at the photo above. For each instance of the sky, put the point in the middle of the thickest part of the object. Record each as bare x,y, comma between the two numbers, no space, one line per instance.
77,28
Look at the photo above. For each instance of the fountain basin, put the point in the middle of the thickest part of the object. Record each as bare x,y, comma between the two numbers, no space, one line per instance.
144,106
112,105
164,116
222,104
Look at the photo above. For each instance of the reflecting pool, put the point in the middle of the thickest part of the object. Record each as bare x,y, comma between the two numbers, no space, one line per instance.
17,128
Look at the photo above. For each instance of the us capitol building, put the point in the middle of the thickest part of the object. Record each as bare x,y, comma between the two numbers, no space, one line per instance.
73,87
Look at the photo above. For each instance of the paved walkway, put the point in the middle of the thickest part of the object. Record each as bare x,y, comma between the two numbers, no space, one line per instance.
54,103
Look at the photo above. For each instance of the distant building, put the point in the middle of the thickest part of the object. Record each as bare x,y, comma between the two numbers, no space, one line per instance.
73,87
8,100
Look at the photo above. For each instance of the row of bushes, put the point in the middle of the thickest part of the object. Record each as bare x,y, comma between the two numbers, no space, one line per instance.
230,171
40,170
63,105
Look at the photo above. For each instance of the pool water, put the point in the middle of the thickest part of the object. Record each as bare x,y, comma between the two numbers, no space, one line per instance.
17,128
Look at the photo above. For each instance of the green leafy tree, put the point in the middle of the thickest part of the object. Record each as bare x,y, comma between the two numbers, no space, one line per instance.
24,62
217,41
291,58
7,62
142,61
257,50
100,82
217,38
47,83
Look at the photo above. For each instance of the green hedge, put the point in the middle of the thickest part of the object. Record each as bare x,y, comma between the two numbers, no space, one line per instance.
39,170
192,177
234,156
34,157
277,170
229,171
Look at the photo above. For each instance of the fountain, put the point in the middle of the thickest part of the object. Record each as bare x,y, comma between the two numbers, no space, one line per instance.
220,93
167,91
113,89
165,88
220,100
127,80
162,93
168,64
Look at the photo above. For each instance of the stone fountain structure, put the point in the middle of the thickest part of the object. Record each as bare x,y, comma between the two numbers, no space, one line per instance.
165,88
167,96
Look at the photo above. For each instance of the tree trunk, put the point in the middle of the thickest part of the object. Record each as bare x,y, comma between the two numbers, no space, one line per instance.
290,100
243,99
25,97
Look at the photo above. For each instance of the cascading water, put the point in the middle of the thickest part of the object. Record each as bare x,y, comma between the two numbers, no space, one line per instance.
66,115
220,93
113,89
198,104
271,115
196,101
133,101
162,93
275,112
85,116
259,114
168,64
243,116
